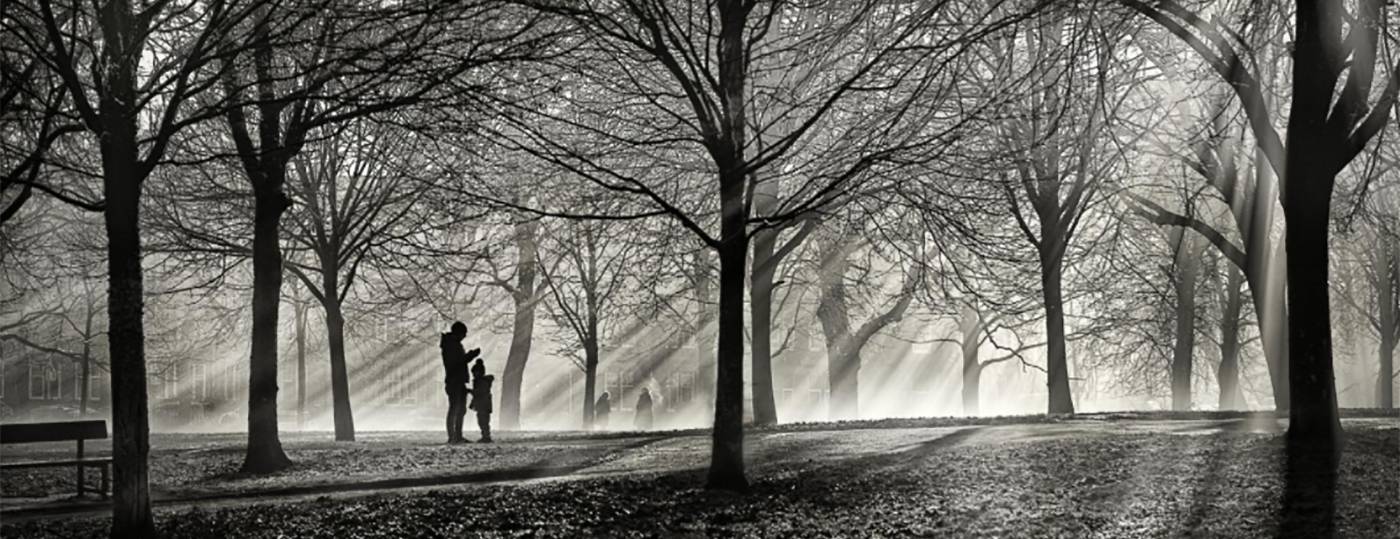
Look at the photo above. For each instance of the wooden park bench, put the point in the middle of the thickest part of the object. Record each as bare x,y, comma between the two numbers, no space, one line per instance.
60,431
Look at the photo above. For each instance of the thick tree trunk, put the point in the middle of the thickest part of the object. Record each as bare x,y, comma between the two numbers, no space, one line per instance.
523,330
842,355
590,382
121,187
131,501
765,266
1310,172
522,334
727,444
727,436
1185,347
340,377
844,379
1061,401
1313,401
765,409
842,363
264,452
1231,397
301,363
971,329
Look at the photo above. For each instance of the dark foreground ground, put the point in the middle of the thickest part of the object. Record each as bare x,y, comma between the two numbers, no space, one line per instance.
1099,477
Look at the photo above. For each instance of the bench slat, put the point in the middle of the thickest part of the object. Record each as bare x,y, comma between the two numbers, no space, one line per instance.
62,431
55,463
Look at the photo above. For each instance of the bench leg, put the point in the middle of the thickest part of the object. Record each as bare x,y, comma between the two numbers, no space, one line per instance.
105,488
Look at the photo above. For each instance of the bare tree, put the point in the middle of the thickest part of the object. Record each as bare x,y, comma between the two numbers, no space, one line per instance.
357,189
595,271
1324,135
112,89
686,144
1058,143
1215,156
525,294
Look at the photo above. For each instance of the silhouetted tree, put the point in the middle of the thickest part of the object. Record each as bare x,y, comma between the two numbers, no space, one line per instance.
595,271
115,82
1324,135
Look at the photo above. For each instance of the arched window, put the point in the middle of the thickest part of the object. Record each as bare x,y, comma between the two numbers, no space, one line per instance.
45,380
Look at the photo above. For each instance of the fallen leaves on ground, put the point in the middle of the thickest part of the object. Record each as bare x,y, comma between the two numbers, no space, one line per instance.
1003,481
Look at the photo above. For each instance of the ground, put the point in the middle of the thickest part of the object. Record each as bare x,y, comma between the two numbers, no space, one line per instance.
1098,476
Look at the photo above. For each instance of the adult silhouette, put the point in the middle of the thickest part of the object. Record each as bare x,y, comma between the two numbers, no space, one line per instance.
642,421
455,361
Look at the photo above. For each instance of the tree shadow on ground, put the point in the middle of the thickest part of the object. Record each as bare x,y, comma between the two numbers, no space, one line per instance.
544,469
1309,505
1208,487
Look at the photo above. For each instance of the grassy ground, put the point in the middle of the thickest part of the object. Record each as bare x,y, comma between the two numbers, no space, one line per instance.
1098,477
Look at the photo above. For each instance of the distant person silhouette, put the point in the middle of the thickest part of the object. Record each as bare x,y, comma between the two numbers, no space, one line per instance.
455,361
481,399
601,410
643,418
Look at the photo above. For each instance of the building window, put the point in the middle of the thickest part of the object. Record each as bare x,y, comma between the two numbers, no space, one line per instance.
230,382
687,387
97,383
45,380
199,374
170,383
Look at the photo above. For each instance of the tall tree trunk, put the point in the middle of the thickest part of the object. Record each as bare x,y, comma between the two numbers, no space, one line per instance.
340,377
842,355
1310,172
971,329
1313,410
264,452
1266,273
301,362
727,443
1231,397
523,330
266,167
1274,320
1057,369
1385,299
705,352
590,381
766,256
1385,397
1187,262
765,408
727,436
126,340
